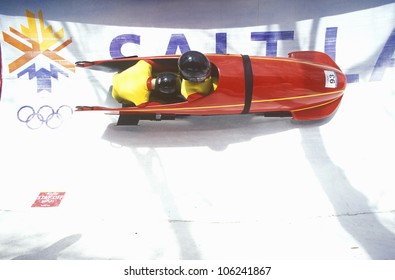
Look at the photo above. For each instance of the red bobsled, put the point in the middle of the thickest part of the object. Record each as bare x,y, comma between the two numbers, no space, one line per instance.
308,85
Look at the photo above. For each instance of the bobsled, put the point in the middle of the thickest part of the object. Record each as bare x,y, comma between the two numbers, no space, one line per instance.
306,85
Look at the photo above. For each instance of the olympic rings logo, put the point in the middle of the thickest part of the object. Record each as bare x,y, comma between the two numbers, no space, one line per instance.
44,115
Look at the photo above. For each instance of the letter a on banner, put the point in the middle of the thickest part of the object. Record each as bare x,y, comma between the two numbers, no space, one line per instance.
177,41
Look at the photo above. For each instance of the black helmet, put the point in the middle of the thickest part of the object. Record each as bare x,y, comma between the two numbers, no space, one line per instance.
168,84
194,66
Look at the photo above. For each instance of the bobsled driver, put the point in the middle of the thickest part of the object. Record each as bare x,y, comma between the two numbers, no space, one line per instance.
195,71
136,85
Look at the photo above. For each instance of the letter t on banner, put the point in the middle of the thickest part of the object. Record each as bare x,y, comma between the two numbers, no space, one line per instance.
271,39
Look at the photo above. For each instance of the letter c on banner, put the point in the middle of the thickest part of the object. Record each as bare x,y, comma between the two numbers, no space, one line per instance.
119,41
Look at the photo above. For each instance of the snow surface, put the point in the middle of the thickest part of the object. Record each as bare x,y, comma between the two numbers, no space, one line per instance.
226,187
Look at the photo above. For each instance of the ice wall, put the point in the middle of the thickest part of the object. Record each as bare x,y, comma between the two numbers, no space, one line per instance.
183,185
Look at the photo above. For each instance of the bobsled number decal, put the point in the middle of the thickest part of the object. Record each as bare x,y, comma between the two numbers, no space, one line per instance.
330,79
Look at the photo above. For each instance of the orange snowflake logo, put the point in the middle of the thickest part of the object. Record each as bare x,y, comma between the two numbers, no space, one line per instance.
35,40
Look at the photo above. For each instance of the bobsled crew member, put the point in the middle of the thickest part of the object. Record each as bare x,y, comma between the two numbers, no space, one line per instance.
166,88
131,85
136,85
195,71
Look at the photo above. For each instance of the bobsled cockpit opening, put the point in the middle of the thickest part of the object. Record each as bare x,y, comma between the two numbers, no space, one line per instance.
171,65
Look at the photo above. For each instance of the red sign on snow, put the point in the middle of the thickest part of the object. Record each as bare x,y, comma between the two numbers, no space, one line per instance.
48,199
